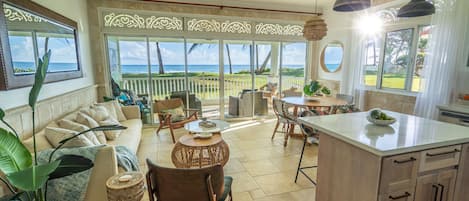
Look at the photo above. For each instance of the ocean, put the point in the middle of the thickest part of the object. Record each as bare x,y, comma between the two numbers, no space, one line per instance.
139,69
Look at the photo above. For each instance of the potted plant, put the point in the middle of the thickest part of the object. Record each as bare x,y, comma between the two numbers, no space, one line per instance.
25,177
314,88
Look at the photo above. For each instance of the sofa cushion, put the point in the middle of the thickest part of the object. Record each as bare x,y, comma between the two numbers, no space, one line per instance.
115,109
71,125
55,135
131,136
177,114
90,122
111,134
41,142
98,113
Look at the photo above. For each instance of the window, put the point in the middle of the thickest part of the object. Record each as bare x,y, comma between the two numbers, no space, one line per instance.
402,60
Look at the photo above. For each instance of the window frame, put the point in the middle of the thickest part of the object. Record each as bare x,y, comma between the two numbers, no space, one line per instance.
412,61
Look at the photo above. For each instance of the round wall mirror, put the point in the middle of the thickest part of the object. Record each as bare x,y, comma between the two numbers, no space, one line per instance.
332,56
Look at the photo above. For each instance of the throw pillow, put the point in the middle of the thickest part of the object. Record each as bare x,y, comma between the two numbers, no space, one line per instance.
55,135
98,113
71,125
111,135
177,114
90,122
115,109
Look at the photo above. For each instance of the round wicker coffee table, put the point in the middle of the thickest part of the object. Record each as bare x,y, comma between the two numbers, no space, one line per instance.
129,186
193,152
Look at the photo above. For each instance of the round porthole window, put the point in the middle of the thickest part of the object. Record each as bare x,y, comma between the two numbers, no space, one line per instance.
332,56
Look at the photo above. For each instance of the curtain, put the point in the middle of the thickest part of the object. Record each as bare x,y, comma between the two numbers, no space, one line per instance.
446,54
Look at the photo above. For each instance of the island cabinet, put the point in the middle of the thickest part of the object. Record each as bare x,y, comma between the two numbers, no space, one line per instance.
427,175
414,159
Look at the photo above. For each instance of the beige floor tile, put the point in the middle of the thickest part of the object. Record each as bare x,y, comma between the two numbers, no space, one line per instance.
242,196
260,167
280,197
277,183
258,193
308,194
243,182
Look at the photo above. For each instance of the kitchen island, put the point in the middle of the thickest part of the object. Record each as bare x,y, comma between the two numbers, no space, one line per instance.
415,159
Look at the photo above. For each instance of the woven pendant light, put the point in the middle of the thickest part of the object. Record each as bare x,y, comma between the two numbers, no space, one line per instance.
351,5
315,29
416,8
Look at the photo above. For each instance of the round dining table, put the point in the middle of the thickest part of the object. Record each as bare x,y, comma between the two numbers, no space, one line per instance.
316,102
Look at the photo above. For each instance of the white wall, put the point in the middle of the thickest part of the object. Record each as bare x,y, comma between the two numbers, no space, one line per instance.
75,10
339,29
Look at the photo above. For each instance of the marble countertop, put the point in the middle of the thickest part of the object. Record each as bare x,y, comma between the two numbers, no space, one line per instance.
408,134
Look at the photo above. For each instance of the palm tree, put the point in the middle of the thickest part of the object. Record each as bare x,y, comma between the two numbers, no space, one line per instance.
160,59
258,71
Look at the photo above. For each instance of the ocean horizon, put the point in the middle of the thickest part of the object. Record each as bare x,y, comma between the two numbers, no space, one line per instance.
140,69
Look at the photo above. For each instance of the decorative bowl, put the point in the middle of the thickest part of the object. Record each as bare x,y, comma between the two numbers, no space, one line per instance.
380,122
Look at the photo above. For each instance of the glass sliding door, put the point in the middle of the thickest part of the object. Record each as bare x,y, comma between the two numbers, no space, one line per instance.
168,77
203,73
129,71
238,96
293,64
266,71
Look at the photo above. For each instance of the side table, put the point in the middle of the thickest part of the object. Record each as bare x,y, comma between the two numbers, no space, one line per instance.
190,152
127,186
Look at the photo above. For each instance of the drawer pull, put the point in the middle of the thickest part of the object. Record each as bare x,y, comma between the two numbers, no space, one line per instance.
443,153
405,161
406,194
442,191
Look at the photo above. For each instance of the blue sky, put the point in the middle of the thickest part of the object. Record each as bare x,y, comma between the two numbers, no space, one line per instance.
333,55
63,50
134,52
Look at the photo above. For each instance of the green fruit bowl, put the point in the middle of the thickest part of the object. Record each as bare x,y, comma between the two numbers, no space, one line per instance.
380,122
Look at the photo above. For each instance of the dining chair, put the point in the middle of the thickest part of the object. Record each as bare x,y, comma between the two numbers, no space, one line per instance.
281,118
345,97
311,136
290,112
178,184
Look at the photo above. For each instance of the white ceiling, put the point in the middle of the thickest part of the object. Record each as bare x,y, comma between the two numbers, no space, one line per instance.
288,5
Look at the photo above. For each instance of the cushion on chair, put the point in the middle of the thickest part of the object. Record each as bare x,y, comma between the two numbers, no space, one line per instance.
177,114
227,188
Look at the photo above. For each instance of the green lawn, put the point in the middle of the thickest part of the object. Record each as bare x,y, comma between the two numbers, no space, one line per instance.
392,81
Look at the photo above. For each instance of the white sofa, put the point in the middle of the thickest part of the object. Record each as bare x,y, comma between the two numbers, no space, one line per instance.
105,164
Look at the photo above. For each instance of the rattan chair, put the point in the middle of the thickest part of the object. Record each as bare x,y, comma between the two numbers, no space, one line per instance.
292,117
167,119
281,119
178,184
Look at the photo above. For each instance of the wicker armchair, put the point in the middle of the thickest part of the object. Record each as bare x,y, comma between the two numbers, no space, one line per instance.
170,120
178,184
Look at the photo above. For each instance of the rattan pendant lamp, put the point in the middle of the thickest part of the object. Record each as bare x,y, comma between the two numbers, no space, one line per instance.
351,5
416,8
316,28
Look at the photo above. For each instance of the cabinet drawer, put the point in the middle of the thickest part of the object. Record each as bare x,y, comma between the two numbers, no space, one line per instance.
434,159
399,172
402,195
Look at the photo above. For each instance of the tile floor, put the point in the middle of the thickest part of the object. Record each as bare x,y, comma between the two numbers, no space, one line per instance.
262,168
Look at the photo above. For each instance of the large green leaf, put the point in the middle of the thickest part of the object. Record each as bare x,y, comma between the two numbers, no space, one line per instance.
71,164
32,178
39,78
13,154
2,114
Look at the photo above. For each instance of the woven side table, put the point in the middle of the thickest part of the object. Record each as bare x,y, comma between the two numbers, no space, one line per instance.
190,152
127,186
